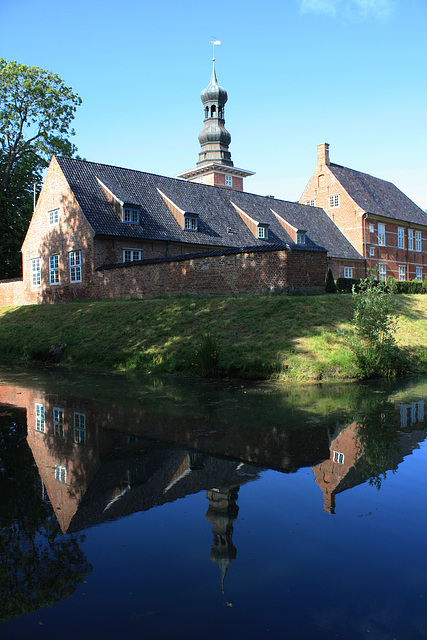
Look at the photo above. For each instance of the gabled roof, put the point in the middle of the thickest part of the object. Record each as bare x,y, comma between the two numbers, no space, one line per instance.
378,196
219,223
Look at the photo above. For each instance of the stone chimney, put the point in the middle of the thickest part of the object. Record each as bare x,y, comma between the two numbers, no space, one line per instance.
322,155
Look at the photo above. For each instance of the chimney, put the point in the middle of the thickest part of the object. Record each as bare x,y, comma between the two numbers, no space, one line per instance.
322,155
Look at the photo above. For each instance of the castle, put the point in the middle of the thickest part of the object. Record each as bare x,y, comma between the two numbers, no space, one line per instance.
101,231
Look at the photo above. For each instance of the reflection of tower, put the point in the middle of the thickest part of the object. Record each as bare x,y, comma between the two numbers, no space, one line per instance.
222,513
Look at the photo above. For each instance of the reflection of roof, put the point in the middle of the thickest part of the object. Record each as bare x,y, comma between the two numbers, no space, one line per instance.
378,196
219,224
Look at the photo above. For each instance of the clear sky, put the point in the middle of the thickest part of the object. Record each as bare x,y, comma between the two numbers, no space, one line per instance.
298,72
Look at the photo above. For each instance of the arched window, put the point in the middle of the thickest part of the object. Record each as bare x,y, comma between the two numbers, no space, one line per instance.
213,111
206,112
220,113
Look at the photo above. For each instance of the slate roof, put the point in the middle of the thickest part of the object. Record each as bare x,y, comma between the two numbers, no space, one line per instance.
378,196
219,224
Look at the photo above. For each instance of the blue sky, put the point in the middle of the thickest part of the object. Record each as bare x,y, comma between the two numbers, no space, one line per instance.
298,72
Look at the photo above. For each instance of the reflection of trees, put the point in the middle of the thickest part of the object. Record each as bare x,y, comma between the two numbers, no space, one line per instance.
38,566
377,439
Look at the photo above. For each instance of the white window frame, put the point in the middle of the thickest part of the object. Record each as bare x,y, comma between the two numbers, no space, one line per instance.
410,239
79,428
372,251
132,255
400,238
310,203
419,274
190,223
338,457
61,474
300,237
334,201
381,234
54,269
40,417
402,272
348,272
130,215
75,260
58,421
228,180
262,232
53,216
36,276
382,272
418,241
371,227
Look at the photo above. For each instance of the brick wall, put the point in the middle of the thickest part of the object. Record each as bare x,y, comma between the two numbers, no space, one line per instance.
12,293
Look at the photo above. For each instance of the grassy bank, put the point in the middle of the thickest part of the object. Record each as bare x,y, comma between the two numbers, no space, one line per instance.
295,338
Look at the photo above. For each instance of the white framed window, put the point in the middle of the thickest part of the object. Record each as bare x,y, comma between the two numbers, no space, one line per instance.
338,457
54,277
75,266
132,255
53,216
40,418
310,203
228,181
80,428
381,234
348,272
200,179
419,274
130,215
371,227
190,223
58,422
372,251
36,277
410,240
61,474
400,238
382,272
334,201
262,232
417,240
402,272
300,237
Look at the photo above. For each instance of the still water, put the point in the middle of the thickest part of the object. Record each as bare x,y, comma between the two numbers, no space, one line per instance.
146,508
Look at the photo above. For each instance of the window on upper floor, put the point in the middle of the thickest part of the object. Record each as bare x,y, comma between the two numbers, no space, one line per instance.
262,232
228,181
372,251
61,474
419,274
35,272
338,457
310,203
54,277
75,258
417,240
58,422
53,216
371,227
40,418
410,240
402,272
381,234
300,237
80,428
348,272
130,215
400,238
334,200
190,222
132,255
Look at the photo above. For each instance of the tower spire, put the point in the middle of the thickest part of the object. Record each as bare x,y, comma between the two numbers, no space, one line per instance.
215,165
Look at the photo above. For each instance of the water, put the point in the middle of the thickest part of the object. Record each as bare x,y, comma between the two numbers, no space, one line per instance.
148,508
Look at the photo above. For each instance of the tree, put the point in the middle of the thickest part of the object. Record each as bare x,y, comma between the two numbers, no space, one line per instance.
36,111
330,286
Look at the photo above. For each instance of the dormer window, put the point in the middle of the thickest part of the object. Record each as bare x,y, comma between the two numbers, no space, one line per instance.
300,237
262,232
130,215
228,181
190,222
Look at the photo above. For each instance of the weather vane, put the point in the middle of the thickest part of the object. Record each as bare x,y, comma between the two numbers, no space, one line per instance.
213,43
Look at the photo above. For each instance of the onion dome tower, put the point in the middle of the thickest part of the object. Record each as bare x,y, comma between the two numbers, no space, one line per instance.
215,166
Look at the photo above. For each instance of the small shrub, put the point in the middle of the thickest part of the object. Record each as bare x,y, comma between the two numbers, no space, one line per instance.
330,286
345,285
207,355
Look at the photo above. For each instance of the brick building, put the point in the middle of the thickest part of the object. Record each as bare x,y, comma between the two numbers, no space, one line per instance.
100,231
382,224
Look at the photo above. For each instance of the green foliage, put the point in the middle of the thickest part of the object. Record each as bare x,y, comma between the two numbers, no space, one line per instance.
207,355
330,286
36,110
345,285
374,324
406,286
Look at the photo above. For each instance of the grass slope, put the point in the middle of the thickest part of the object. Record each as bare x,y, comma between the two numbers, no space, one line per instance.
295,338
